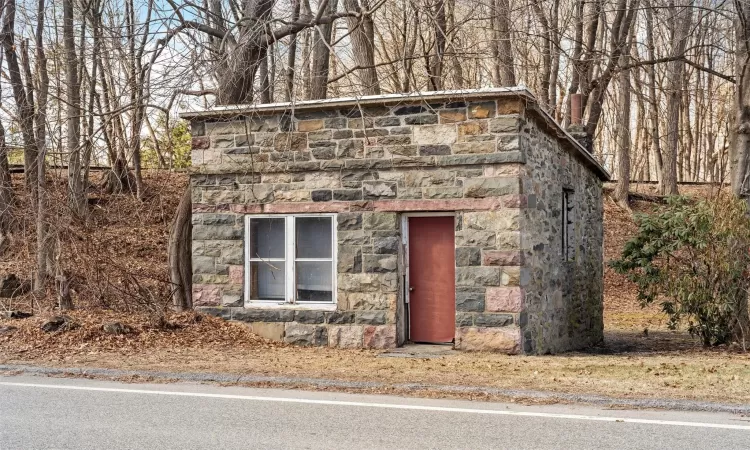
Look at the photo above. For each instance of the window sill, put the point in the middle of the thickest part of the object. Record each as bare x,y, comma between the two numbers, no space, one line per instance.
293,306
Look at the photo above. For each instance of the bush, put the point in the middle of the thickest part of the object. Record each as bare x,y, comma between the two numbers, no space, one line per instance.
695,256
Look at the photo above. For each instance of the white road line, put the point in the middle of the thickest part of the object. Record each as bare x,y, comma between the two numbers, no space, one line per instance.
384,405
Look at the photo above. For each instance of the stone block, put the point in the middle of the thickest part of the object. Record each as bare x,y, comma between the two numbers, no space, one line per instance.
284,142
211,232
349,260
452,115
365,301
382,336
478,276
204,264
509,240
273,331
259,193
504,299
501,340
498,220
443,192
263,315
470,300
351,148
346,336
502,258
336,123
341,317
421,119
236,274
472,128
232,254
493,320
429,178
378,189
321,195
310,125
468,256
368,282
505,124
305,335
481,110
380,263
343,134
473,147
206,295
360,123
491,186
407,110
292,196
385,245
347,194
435,135
475,238
225,141
511,276
309,316
354,237
431,150
200,143
380,221
317,136
371,317
349,221
387,122
231,299
464,319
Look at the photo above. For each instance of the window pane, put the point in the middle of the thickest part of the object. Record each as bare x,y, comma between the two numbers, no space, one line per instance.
313,237
314,281
267,280
266,238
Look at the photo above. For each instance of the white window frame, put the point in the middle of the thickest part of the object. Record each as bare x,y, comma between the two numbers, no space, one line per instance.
290,265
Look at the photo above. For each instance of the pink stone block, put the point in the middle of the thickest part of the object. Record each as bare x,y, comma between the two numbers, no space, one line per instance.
504,299
459,204
200,143
383,336
236,274
306,207
502,258
206,295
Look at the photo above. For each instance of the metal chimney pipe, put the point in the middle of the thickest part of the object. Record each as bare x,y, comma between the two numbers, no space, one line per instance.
576,109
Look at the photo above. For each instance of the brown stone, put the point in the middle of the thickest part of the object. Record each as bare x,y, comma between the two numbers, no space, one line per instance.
482,110
290,141
504,299
200,143
502,258
473,147
501,340
509,107
472,128
310,125
459,204
452,116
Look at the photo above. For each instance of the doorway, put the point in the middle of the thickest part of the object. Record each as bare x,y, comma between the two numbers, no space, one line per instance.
431,279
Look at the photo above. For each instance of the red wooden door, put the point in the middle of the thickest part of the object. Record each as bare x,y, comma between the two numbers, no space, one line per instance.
432,279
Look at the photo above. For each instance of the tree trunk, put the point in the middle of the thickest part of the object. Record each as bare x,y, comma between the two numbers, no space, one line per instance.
622,190
76,190
321,56
505,74
6,194
180,266
681,20
362,36
740,157
292,54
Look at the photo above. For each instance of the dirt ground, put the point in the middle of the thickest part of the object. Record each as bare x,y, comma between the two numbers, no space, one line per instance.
639,358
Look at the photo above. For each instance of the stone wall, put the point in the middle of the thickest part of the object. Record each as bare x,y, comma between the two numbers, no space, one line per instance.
369,164
563,299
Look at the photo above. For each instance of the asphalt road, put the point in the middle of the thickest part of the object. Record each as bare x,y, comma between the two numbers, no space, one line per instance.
46,413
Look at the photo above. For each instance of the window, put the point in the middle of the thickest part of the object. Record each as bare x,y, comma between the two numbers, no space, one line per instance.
290,259
567,225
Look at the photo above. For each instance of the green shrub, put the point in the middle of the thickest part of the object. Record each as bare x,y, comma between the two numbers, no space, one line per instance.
693,257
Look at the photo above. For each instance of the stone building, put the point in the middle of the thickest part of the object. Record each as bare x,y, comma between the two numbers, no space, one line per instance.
464,217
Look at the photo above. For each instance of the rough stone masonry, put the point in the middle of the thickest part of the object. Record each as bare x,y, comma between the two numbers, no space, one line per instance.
525,281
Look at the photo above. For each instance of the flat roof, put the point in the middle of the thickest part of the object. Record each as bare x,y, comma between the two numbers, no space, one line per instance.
520,92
